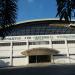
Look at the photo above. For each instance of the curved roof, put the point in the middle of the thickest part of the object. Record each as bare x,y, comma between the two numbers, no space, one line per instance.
45,19
36,20
40,27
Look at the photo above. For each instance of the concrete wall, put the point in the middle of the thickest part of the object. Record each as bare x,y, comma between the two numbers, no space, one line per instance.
11,55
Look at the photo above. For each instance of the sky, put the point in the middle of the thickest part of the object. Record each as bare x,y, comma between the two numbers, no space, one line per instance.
36,9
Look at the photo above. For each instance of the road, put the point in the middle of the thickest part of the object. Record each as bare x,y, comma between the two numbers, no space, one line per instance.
40,70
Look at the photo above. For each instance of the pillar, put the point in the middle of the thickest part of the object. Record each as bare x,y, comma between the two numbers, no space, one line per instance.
11,53
52,59
51,46
67,51
27,49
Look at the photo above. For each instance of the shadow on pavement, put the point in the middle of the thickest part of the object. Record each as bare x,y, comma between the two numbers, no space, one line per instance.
46,70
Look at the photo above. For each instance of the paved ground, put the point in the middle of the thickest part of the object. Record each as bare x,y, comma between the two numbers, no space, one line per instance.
41,69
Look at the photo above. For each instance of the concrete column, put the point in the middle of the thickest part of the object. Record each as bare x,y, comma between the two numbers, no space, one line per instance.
51,46
11,53
27,44
50,43
28,49
52,58
67,51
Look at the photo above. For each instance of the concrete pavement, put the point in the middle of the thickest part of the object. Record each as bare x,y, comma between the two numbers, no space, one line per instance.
40,69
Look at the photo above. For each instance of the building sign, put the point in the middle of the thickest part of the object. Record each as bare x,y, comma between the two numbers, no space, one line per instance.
41,37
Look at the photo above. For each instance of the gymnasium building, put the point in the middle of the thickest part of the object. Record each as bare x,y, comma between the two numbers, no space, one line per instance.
38,41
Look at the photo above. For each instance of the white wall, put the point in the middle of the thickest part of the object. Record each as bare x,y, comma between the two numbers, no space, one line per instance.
18,59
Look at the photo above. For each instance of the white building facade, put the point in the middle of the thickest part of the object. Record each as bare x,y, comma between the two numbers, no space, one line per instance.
11,48
46,33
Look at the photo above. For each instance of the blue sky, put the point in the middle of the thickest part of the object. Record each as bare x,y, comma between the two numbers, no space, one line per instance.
36,9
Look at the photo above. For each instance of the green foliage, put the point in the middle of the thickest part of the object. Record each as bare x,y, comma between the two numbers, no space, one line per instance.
7,14
65,9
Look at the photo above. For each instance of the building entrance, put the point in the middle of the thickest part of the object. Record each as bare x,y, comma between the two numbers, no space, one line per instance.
39,59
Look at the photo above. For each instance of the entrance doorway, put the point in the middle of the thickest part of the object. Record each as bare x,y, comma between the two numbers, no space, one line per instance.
39,59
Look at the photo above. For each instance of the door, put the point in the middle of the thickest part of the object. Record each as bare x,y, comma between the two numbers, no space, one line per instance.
39,59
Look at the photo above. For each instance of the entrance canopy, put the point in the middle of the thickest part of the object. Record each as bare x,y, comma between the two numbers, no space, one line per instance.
39,51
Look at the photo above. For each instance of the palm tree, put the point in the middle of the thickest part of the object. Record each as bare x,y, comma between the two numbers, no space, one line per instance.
65,9
7,15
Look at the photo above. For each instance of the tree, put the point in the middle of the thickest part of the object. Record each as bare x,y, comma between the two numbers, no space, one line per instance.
65,9
7,15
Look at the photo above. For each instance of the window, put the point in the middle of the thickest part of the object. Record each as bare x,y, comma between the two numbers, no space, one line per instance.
58,42
19,43
70,41
39,43
4,44
60,55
